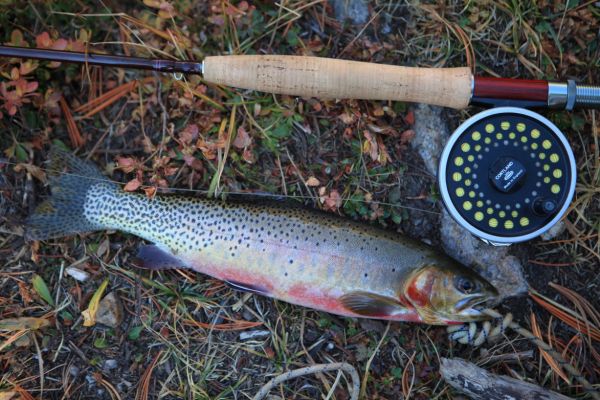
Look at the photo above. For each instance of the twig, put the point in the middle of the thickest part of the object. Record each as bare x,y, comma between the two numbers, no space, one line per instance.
262,393
571,369
363,390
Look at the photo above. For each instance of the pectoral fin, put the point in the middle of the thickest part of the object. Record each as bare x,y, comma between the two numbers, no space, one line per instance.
372,305
154,257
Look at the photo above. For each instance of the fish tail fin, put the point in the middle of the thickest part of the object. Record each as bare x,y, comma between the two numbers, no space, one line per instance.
63,213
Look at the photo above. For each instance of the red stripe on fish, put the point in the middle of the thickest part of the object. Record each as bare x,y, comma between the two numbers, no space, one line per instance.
419,289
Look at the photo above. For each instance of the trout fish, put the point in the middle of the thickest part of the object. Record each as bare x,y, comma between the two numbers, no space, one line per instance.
304,257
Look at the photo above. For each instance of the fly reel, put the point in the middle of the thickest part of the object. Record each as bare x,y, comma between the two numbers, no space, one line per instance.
507,175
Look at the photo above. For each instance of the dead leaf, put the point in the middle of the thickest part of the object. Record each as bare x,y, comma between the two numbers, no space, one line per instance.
153,3
150,191
25,293
23,323
370,146
89,314
127,164
332,202
189,134
242,139
407,136
312,181
410,118
248,156
132,185
103,248
34,170
347,118
7,395
110,311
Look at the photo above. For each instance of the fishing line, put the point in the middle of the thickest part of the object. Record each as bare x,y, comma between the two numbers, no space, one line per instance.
467,334
234,193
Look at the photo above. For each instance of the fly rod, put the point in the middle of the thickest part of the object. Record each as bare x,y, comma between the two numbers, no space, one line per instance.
333,78
506,175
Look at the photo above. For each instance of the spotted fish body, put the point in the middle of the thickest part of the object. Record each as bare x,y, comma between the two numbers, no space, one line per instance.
303,257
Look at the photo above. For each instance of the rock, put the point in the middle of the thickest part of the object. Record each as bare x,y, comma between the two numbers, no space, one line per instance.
110,364
91,381
357,11
258,334
77,274
431,133
493,263
110,311
504,271
74,370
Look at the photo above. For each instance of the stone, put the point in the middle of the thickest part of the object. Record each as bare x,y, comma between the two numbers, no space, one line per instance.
110,364
431,133
257,334
356,11
501,269
77,274
110,311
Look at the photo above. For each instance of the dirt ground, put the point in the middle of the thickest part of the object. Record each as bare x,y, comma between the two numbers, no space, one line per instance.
185,335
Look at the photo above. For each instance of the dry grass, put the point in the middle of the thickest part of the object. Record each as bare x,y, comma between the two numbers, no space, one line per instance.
181,333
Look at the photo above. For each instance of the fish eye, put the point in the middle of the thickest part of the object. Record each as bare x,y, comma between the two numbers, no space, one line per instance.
465,285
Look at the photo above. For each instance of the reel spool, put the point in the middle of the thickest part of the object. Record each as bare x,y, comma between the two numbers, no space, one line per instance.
507,175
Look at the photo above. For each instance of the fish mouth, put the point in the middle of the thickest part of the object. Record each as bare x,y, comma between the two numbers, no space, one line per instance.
470,302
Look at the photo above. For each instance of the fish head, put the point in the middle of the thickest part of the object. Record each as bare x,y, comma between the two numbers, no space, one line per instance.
448,293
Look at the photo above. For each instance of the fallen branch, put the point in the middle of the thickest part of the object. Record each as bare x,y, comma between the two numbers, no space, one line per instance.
477,383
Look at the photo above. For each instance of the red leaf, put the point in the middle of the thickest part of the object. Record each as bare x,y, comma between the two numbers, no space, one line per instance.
242,139
333,201
248,156
43,40
189,134
150,191
410,118
27,67
126,164
132,185
59,44
407,136
31,87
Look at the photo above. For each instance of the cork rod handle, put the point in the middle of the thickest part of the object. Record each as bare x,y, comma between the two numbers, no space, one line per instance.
328,78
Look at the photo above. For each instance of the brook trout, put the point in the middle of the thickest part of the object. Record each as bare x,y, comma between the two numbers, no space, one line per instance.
302,257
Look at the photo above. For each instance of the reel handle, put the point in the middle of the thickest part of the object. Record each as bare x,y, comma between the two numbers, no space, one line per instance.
341,79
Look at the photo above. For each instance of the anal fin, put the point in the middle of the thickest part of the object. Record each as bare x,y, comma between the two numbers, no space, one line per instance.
372,305
154,257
